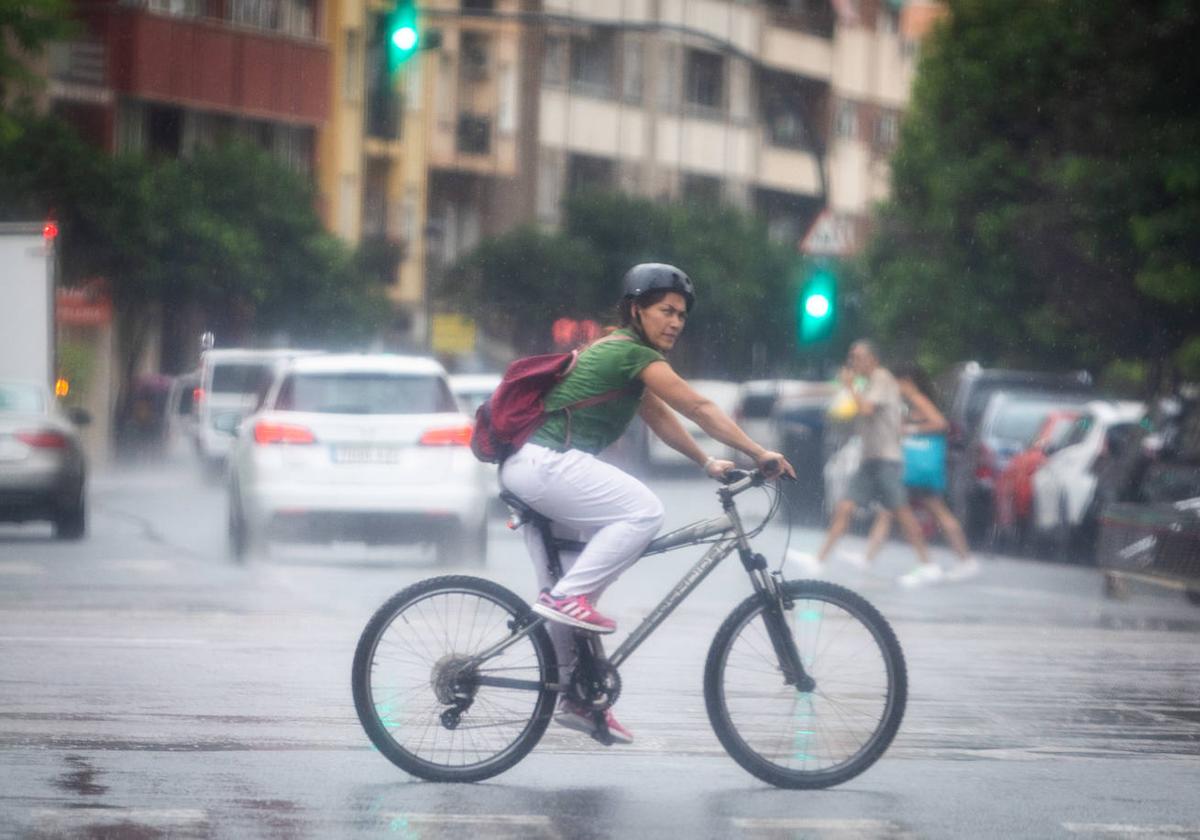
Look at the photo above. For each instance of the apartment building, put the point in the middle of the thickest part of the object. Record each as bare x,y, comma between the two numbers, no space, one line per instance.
166,76
783,107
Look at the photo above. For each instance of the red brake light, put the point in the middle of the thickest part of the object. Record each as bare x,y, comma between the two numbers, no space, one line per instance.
43,439
197,395
268,433
450,436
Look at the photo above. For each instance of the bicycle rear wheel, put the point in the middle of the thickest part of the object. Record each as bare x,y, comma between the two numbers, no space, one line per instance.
807,739
423,700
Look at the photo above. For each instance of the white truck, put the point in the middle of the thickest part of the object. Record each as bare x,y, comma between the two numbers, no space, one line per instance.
27,285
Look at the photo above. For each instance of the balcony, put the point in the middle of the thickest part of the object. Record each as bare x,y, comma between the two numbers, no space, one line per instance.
206,62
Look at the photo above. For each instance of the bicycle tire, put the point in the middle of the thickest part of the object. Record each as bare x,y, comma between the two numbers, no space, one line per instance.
741,730
392,714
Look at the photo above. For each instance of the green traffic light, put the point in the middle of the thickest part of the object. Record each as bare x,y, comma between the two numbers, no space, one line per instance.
402,35
817,306
405,38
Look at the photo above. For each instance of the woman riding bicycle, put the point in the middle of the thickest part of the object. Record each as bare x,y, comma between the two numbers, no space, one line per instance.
558,474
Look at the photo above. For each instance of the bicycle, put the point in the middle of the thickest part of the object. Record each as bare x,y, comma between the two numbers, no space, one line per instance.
805,685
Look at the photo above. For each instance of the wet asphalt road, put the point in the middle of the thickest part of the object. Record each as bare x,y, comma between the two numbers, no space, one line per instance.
151,688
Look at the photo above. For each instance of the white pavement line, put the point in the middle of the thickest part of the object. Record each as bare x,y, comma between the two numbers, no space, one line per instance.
21,568
143,566
498,825
859,829
102,640
1126,830
61,819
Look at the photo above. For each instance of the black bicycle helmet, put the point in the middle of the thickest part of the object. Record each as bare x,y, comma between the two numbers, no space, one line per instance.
652,277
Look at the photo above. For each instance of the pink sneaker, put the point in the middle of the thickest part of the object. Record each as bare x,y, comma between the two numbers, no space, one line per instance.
574,610
574,717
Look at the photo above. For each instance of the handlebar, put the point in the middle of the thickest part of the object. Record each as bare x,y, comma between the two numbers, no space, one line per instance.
738,480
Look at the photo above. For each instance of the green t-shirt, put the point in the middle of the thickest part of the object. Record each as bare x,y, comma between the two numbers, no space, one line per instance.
603,367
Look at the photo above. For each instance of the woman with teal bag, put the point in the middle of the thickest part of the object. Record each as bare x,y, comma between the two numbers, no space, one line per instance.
924,448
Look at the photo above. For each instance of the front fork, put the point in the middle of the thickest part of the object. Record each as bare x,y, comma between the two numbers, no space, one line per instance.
776,604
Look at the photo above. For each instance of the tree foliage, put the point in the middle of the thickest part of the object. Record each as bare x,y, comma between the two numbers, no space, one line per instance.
229,230
517,284
1046,189
26,26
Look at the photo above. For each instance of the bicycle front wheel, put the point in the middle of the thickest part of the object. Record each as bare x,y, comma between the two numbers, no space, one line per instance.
426,700
807,739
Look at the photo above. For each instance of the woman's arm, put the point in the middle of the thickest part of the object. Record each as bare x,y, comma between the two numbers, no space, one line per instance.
663,422
665,384
931,420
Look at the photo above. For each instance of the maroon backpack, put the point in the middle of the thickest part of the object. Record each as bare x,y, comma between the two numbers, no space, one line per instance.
517,408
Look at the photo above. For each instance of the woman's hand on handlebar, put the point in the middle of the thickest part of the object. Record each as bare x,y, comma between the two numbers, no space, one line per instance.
717,467
774,465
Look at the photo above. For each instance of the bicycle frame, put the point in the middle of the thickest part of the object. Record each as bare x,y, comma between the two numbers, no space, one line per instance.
755,565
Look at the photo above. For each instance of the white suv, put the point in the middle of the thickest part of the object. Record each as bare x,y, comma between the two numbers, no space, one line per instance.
365,448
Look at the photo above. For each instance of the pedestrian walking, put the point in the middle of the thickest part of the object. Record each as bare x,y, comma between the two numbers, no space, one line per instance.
879,479
925,473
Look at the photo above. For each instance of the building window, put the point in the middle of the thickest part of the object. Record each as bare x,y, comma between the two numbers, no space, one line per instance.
592,60
554,61
352,80
180,8
478,5
474,56
705,79
701,189
846,124
585,172
631,68
887,130
294,17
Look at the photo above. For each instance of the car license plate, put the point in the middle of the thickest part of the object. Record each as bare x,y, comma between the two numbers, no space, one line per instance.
366,455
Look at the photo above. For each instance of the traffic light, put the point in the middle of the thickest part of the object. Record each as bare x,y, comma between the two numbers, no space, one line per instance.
401,36
817,304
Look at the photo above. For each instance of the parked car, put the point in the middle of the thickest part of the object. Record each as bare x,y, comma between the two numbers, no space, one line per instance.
1065,485
963,393
754,407
232,384
182,427
799,426
1008,423
659,456
370,448
43,470
473,389
1014,487
1148,501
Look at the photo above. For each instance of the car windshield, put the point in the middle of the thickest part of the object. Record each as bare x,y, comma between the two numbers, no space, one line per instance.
20,399
983,392
240,378
1019,421
365,393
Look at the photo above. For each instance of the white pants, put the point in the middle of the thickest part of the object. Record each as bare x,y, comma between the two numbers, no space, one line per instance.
589,501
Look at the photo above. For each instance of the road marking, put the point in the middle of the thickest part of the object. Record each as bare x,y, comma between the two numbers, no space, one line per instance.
143,566
78,819
101,640
1126,830
21,568
497,825
859,829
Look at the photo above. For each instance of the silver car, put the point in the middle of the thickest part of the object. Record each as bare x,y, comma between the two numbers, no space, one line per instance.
42,467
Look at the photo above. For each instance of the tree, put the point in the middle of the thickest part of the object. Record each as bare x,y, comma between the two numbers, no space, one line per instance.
1046,190
230,231
26,26
519,283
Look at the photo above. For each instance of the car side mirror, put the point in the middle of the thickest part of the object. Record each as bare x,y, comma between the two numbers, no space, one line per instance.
79,416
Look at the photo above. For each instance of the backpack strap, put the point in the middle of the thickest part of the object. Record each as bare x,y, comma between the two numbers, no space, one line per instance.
596,399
